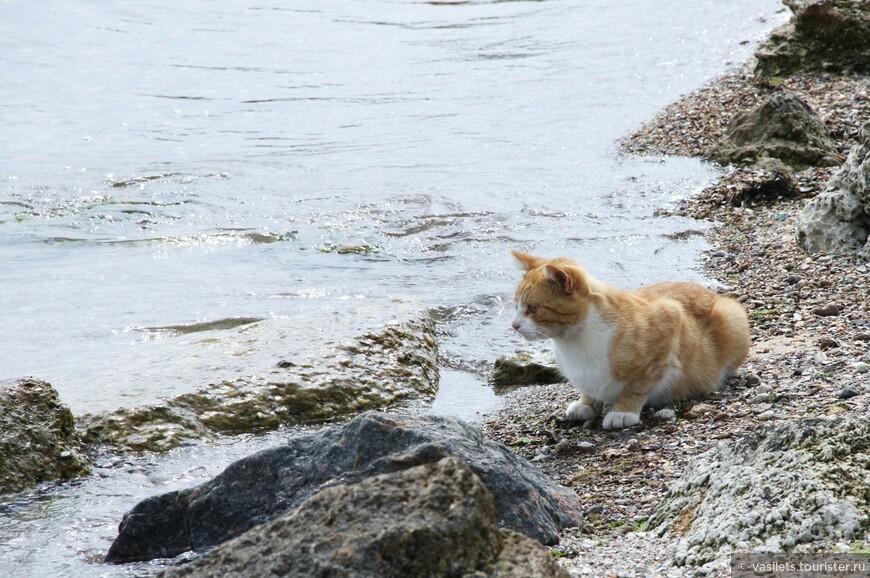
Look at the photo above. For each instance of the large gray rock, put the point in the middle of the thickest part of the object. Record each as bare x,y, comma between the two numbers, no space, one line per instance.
797,483
266,485
838,219
783,127
432,520
38,441
822,35
377,369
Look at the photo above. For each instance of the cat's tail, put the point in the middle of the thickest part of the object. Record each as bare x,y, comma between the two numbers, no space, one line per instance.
731,333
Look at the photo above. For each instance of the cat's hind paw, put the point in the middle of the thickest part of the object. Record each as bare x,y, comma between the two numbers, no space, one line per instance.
579,411
620,419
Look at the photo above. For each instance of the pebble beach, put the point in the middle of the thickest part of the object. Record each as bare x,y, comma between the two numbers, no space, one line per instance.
810,323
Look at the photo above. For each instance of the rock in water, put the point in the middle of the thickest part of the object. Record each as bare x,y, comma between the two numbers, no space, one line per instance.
783,127
432,520
38,441
377,369
268,484
822,35
522,369
781,486
838,219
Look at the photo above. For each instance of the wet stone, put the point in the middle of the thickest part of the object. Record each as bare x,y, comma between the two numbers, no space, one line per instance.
38,439
522,369
381,368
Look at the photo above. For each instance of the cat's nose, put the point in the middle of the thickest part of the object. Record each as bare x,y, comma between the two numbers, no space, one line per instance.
516,325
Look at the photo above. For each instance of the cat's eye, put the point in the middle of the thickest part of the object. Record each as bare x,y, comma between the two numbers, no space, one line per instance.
531,309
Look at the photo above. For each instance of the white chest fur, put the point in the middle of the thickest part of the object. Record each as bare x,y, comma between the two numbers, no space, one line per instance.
583,356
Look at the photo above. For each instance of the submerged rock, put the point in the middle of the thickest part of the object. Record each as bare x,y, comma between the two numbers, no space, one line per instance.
437,519
822,35
375,370
522,369
783,127
800,482
268,484
838,219
38,440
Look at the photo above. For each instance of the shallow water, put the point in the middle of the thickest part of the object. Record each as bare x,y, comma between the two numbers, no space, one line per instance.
168,168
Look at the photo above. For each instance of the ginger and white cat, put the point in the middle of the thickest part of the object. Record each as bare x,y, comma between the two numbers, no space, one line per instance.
654,345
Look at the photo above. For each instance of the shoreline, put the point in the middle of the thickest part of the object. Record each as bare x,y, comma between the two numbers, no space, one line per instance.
801,364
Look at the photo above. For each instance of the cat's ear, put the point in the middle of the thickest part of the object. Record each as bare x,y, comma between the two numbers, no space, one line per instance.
561,278
527,262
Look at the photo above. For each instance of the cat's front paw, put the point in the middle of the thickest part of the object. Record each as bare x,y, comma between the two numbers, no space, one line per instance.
620,419
579,411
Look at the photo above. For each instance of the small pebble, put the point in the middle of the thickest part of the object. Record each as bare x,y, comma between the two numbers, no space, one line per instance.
698,410
596,509
763,389
848,393
586,446
761,398
829,310
861,367
826,343
665,414
719,253
793,280
752,380
766,415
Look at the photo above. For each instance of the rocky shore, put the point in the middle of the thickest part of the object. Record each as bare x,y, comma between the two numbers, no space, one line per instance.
775,461
809,364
